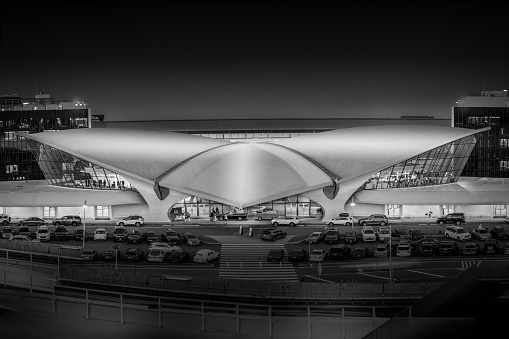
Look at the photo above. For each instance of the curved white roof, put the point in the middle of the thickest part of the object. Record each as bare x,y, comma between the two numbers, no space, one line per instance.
246,173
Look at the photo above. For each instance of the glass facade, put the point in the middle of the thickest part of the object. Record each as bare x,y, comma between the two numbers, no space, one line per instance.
441,165
16,160
63,169
490,157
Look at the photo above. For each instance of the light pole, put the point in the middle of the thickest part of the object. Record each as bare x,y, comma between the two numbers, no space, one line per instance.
390,255
84,222
353,209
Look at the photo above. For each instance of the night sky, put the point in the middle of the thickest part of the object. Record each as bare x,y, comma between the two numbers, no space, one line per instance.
222,60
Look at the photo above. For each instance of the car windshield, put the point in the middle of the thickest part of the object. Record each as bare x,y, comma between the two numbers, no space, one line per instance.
156,252
314,235
461,230
368,231
316,252
295,252
88,252
482,230
191,236
383,231
100,232
175,254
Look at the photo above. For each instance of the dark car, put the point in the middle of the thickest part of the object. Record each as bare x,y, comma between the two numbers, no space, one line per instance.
150,237
374,219
170,236
332,236
7,232
178,256
448,247
109,255
401,234
32,221
275,254
498,232
67,220
296,256
88,255
340,252
491,246
471,248
351,237
451,218
272,234
415,234
480,233
61,233
24,230
119,233
78,234
427,249
134,255
134,237
360,253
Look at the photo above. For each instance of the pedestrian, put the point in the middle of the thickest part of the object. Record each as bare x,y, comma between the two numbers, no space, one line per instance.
225,218
429,214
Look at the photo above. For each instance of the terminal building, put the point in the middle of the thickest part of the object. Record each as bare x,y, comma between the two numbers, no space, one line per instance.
405,167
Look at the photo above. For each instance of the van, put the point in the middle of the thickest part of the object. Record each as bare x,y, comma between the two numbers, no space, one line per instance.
266,214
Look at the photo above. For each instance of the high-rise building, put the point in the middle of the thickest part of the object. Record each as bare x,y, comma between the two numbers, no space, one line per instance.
33,115
490,157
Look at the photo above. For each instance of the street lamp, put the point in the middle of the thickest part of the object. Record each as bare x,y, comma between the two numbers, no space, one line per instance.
84,222
390,255
353,209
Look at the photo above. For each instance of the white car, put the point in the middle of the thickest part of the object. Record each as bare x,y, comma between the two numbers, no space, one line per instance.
368,234
100,234
205,255
42,233
403,250
383,234
132,220
318,254
164,246
285,221
342,221
156,255
457,233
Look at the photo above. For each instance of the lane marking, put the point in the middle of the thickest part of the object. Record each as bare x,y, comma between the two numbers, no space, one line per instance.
372,275
320,279
433,275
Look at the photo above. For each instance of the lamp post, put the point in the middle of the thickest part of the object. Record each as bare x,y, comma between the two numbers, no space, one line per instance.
353,209
84,221
390,255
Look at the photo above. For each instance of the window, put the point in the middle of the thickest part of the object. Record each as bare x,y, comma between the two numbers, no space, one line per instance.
393,210
103,212
501,210
49,212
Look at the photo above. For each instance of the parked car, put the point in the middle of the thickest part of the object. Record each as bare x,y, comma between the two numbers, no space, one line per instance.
471,248
150,237
427,249
178,256
381,250
457,233
5,219
332,236
170,236
109,254
205,256
100,234
315,237
24,230
506,248
374,219
78,234
351,237
448,247
276,254
156,255
403,250
451,218
60,233
265,214
134,255
285,221
498,232
298,255
88,255
67,220
132,220
119,233
340,221
32,221
318,254
415,234
400,234
191,239
360,253
18,237
164,246
383,234
7,232
368,234
134,237
480,233
491,246
272,234
42,233
340,252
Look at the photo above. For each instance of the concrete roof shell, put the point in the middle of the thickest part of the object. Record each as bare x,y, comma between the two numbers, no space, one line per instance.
243,174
